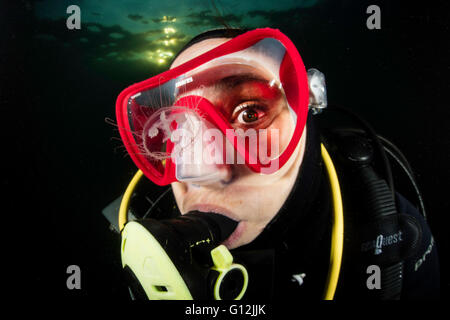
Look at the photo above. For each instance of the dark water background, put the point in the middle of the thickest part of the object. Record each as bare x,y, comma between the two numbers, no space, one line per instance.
62,167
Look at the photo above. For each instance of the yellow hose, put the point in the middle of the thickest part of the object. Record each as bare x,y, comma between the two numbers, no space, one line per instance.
337,235
123,210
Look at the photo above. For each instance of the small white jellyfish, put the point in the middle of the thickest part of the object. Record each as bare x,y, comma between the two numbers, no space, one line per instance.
153,131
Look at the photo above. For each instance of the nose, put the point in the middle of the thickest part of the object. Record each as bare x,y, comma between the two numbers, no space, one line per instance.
203,174
222,175
200,152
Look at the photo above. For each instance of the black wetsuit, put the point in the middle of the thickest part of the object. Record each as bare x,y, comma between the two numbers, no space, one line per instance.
297,242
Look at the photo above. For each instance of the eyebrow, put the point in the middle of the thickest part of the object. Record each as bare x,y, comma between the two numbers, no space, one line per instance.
235,80
229,82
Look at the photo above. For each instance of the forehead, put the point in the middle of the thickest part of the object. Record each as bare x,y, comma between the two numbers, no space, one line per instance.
198,49
267,54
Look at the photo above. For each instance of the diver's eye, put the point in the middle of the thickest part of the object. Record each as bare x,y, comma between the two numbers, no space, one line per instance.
248,113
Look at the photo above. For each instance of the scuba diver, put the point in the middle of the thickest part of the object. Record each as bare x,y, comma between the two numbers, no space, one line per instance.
264,201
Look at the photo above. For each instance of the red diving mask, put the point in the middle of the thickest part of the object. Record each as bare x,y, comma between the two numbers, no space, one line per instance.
244,102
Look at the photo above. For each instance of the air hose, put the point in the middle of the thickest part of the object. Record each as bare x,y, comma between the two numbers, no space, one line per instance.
380,206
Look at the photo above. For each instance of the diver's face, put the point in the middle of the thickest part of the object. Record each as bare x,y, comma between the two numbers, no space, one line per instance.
250,198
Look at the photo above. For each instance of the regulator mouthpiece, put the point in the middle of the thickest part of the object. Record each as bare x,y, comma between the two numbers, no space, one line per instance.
194,230
182,258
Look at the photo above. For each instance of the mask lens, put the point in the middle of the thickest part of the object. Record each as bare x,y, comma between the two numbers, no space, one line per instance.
259,121
150,132
241,94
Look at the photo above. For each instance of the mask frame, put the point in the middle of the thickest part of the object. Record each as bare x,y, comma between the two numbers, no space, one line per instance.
293,78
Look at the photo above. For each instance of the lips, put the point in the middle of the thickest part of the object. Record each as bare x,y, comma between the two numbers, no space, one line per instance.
231,241
236,234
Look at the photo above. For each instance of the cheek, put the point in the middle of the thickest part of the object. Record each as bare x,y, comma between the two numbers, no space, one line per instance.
260,204
279,133
269,201
179,191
